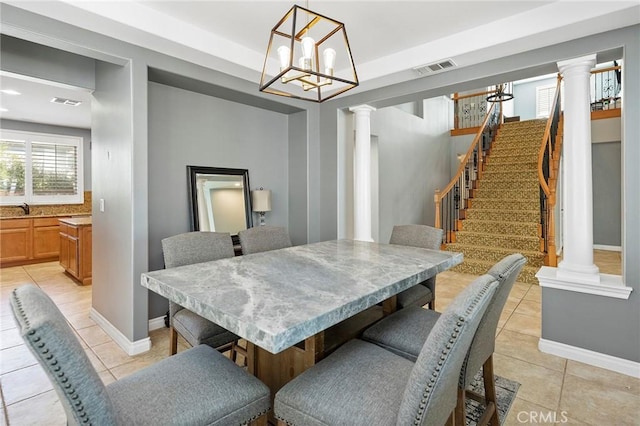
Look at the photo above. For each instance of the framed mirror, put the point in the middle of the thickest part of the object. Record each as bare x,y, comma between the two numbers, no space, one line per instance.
220,200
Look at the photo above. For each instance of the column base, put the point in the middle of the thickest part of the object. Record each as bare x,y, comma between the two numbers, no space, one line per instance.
367,239
578,273
606,285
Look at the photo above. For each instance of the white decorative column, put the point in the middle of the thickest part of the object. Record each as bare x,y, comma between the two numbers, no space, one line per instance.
362,173
577,258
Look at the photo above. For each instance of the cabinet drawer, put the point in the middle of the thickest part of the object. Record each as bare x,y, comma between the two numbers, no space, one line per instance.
45,221
15,223
72,231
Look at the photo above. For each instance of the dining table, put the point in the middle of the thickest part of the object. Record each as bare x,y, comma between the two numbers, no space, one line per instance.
295,305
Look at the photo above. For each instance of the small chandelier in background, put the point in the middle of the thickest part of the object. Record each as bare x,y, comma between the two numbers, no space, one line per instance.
308,58
504,92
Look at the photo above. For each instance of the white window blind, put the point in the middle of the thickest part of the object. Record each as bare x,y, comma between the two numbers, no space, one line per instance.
544,99
40,169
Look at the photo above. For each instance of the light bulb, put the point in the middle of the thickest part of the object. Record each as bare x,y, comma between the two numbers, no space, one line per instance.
329,56
308,45
284,53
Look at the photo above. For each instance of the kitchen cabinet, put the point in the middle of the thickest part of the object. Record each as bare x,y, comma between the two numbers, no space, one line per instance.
75,239
15,241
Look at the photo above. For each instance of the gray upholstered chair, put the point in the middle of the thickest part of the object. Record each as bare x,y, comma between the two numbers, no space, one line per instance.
422,236
263,238
405,331
198,386
187,249
363,384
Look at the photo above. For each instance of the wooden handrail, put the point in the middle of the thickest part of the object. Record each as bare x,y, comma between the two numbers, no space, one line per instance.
546,141
463,163
471,95
600,70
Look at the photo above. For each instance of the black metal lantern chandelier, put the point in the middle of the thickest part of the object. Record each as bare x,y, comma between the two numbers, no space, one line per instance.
504,92
308,58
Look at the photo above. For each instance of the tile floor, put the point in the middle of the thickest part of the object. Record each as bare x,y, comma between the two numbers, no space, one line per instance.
553,389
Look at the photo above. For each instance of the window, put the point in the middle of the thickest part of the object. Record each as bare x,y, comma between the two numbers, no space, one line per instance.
544,99
39,168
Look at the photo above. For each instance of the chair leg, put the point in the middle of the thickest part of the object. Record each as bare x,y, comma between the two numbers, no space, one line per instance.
450,420
460,411
173,341
490,391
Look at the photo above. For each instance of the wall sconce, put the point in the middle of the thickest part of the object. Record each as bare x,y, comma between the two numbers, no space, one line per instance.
261,202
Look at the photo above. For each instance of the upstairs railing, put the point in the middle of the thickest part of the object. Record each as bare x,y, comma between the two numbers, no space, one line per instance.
606,88
469,111
548,166
453,199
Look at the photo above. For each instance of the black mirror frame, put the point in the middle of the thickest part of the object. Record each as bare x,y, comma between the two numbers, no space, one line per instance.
193,171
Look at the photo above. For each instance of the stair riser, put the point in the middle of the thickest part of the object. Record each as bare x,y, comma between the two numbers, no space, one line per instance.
503,216
509,175
529,243
525,185
515,168
487,203
494,255
527,275
503,151
515,159
509,228
507,194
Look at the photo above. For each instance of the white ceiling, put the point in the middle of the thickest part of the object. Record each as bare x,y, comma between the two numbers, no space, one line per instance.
388,38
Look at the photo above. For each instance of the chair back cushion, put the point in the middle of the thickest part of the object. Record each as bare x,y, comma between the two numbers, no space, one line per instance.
263,238
49,337
422,236
196,247
431,393
506,272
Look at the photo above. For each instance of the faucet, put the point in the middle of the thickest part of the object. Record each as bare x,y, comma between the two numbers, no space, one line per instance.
25,208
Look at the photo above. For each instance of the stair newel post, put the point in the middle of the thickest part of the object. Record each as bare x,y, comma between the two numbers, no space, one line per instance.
436,200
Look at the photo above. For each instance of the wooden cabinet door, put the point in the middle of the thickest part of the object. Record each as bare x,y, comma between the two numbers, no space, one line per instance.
15,240
46,238
74,267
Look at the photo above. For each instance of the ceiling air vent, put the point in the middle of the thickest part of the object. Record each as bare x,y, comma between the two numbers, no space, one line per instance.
63,101
435,67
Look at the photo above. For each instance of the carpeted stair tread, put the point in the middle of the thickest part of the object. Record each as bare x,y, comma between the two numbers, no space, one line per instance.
512,159
515,242
495,254
488,203
507,193
480,267
511,184
503,215
514,228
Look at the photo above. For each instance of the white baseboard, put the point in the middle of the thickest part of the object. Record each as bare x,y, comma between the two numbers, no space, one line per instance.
619,365
156,323
131,348
607,248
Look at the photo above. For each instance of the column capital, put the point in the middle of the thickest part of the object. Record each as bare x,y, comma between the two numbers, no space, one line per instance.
362,108
587,62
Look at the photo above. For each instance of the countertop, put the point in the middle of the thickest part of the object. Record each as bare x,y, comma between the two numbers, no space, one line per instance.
43,216
77,221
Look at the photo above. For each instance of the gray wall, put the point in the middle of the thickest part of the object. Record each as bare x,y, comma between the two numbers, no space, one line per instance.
524,97
85,134
607,193
412,160
187,128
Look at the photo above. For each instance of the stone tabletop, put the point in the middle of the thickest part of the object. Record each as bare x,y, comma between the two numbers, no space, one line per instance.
276,299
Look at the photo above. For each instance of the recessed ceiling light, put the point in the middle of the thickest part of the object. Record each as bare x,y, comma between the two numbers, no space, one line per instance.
64,101
10,92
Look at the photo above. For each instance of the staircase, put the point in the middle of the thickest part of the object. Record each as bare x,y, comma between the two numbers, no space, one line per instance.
503,213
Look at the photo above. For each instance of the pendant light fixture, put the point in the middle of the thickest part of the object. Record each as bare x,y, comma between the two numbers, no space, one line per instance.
504,92
308,58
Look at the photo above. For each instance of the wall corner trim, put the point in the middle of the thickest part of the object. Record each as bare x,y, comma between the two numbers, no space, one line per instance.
609,285
597,359
131,348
